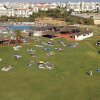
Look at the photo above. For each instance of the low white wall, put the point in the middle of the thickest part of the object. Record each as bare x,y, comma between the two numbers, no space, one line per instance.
37,33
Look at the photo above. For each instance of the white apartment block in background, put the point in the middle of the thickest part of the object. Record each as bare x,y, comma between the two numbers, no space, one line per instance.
74,6
83,6
24,9
62,5
35,9
6,12
17,5
46,6
92,6
23,12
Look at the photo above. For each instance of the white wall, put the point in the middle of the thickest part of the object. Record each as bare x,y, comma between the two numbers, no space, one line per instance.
96,22
37,33
84,36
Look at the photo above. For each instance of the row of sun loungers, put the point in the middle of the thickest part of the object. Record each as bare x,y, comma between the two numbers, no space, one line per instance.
44,67
45,46
41,65
5,69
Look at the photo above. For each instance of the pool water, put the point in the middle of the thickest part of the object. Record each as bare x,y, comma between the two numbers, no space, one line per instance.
20,27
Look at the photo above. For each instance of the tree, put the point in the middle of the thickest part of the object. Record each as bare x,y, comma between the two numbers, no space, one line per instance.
98,10
18,34
33,17
89,21
65,14
41,13
70,11
55,13
4,18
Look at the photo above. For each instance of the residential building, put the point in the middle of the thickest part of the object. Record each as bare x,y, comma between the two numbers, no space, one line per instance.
46,6
6,12
83,6
23,12
24,9
83,35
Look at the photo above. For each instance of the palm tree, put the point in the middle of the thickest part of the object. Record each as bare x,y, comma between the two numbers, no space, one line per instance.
18,34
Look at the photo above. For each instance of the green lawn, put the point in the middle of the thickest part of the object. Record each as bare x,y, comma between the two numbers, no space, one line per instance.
66,81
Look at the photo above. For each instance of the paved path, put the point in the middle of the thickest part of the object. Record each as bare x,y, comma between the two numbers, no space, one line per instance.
91,46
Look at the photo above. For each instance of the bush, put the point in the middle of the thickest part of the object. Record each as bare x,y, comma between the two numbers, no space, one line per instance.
89,21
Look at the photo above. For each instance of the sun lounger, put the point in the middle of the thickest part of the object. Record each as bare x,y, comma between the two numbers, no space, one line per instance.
41,66
30,65
17,56
18,46
15,48
48,67
5,69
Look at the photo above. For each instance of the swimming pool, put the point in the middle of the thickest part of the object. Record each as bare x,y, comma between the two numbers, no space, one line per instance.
20,27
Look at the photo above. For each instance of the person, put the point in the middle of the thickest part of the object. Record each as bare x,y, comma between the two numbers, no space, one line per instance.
29,65
91,72
0,59
98,70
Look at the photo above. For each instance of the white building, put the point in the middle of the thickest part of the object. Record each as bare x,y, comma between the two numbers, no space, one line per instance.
37,33
46,6
23,12
24,9
74,6
82,36
62,5
83,6
90,6
6,12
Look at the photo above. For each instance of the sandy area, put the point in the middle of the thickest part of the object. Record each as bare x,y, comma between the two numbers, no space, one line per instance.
49,20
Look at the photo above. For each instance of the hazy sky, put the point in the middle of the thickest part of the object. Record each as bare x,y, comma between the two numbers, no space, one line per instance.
47,0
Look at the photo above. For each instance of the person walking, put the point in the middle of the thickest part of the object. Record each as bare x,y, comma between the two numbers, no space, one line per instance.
91,73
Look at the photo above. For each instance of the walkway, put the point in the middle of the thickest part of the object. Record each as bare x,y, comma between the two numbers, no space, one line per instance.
91,46
67,36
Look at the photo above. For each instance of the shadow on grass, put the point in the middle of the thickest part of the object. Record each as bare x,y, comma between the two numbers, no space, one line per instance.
87,73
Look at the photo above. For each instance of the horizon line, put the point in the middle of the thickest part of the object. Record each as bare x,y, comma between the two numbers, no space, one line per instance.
46,2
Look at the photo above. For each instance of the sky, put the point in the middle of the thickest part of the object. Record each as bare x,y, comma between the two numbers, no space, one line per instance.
36,1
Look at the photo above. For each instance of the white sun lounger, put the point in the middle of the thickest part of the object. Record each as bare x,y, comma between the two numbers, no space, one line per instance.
41,67
48,67
6,69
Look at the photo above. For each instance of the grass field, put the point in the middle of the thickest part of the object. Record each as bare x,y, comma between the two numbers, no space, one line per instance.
66,81
49,20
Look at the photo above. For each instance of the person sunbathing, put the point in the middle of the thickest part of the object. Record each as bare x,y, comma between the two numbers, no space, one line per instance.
29,65
41,66
15,48
7,68
61,49
17,56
